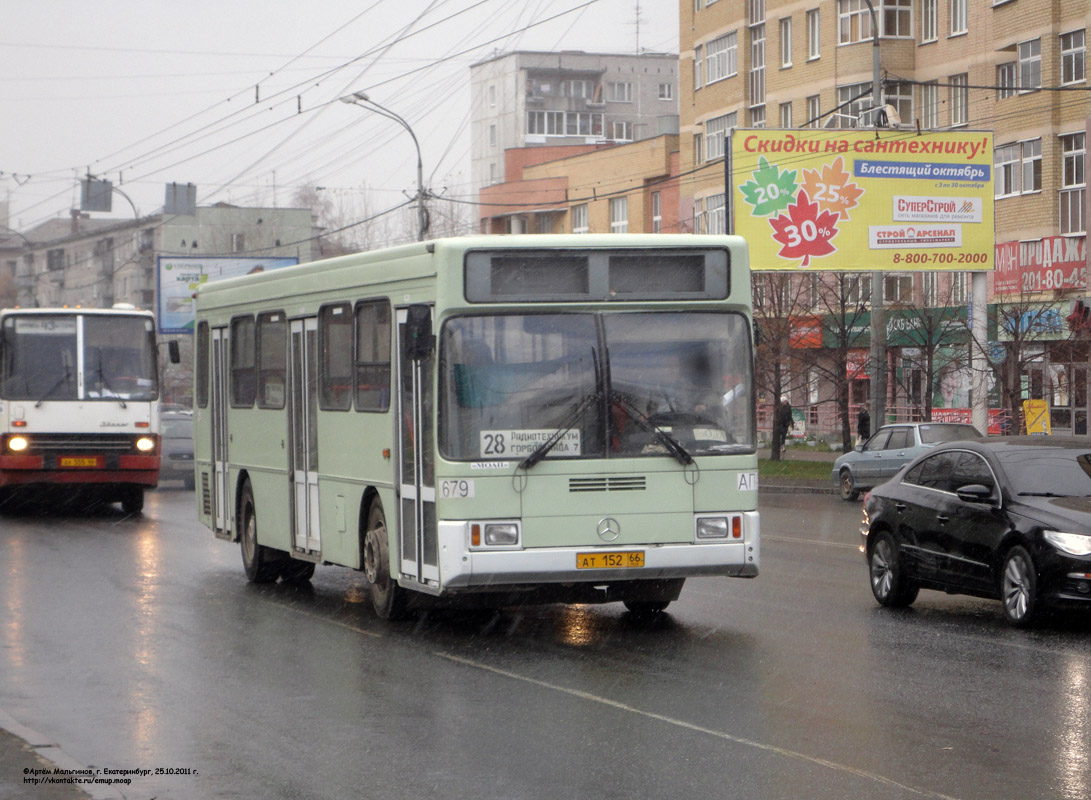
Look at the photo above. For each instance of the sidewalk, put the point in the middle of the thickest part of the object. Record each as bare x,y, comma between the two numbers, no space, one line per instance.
22,751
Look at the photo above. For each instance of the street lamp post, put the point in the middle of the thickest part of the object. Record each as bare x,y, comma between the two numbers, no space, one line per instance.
360,99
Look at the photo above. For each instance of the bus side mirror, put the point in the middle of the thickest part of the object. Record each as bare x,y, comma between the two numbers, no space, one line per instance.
419,340
174,353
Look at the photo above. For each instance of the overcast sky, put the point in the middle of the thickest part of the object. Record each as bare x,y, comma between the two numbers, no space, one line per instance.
240,97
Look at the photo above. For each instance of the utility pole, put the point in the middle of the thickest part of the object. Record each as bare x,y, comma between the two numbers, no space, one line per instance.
877,360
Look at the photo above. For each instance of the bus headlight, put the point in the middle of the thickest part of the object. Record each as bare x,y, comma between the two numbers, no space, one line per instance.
145,444
18,444
501,533
719,527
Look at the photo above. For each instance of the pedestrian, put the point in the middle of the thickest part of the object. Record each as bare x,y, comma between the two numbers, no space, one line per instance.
783,420
863,424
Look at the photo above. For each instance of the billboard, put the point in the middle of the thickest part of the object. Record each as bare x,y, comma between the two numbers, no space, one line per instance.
179,277
844,200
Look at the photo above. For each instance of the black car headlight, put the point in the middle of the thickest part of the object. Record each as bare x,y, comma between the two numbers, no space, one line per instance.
1076,544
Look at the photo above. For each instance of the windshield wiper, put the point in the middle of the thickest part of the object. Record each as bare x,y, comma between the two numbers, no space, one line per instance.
566,425
673,446
106,383
66,362
61,380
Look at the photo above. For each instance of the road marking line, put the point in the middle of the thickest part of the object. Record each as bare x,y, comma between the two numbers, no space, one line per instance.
809,541
690,726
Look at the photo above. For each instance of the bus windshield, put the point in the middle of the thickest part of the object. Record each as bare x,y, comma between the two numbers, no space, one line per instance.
511,382
43,355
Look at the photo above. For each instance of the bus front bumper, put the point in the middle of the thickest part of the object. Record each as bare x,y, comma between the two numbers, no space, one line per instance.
462,567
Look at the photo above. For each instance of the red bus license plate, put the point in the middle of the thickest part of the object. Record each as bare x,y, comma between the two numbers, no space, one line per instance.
79,461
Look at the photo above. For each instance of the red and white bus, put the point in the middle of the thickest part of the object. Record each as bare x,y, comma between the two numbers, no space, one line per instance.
79,392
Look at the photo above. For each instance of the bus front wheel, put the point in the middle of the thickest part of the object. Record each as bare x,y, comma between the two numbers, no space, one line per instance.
390,600
259,562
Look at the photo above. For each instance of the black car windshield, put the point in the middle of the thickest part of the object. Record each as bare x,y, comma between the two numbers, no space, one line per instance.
1048,471
934,434
509,382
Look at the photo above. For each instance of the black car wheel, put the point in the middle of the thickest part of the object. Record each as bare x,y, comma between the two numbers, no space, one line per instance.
889,583
1019,587
847,485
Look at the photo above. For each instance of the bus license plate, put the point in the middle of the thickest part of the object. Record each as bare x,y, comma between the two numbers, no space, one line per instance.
625,560
79,461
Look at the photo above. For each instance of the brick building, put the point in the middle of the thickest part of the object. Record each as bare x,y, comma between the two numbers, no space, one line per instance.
1016,68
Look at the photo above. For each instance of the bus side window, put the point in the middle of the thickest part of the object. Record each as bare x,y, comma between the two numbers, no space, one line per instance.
272,343
335,361
243,383
202,365
372,361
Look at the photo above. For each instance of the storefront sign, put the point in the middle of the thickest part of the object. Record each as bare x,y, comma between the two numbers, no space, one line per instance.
1055,263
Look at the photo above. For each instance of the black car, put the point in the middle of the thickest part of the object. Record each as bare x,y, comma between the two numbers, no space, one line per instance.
1006,518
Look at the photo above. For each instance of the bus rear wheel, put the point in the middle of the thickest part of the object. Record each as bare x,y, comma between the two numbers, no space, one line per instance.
259,561
391,601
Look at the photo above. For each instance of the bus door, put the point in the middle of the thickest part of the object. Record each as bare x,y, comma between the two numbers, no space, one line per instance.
218,384
416,448
303,433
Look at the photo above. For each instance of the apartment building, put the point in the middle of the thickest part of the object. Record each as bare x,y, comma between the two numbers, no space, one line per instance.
1016,68
540,99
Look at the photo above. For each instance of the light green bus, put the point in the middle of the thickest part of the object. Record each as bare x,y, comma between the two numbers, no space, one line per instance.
509,419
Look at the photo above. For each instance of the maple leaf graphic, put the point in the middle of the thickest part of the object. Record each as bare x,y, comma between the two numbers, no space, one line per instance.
830,186
770,190
805,231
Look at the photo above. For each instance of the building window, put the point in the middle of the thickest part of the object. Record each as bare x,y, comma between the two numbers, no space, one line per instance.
697,67
852,99
1006,164
858,290
666,91
1073,57
929,21
958,17
583,123
492,136
757,117
621,131
930,286
1030,65
492,173
960,294
1031,152
657,212
786,42
930,105
238,242
621,92
757,65
716,132
579,218
577,88
715,216
897,288
545,123
1073,183
897,19
959,99
1007,80
492,97
814,35
900,95
757,11
785,115
699,215
722,58
814,111
619,215
853,21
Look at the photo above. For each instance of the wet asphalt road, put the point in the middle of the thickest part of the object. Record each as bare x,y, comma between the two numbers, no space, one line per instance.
136,643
